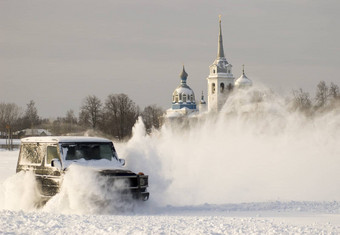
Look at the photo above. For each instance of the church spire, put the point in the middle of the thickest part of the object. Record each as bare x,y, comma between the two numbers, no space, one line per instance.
220,51
183,76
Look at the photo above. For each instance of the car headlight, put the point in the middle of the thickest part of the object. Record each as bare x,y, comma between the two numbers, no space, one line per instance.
142,181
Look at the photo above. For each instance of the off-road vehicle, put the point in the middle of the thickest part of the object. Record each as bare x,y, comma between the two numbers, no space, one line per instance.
50,157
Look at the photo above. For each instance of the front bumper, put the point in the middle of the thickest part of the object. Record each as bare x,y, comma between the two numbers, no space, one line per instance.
143,196
128,183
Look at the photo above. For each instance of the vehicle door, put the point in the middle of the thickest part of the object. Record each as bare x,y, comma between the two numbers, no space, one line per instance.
31,159
51,175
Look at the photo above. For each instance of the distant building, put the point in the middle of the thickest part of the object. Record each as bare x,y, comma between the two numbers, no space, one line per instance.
183,99
221,83
220,79
32,132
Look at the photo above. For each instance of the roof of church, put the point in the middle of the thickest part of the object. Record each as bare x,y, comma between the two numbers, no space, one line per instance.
183,74
220,51
183,88
243,80
220,62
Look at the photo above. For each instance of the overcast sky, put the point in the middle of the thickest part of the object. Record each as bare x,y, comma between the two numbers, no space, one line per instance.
59,51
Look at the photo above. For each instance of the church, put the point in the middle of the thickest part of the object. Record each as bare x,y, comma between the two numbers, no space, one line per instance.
221,83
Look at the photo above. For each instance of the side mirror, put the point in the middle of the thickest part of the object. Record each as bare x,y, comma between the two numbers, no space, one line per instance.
56,163
122,161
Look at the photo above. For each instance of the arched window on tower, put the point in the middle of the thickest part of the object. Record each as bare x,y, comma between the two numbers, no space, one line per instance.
213,88
192,98
222,87
180,97
176,98
184,98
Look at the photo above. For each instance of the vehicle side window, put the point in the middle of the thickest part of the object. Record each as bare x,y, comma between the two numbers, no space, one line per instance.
52,152
32,154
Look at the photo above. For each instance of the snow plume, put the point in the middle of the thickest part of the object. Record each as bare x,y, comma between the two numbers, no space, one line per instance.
19,192
255,149
84,191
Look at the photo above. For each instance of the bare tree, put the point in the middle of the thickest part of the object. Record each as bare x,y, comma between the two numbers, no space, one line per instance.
9,115
111,116
70,123
322,95
70,117
151,117
301,101
120,114
31,117
90,111
334,91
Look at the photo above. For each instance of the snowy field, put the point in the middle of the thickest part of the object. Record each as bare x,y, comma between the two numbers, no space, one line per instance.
177,223
256,168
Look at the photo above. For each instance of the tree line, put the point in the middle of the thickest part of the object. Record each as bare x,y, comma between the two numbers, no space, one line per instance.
117,115
326,98
114,117
13,118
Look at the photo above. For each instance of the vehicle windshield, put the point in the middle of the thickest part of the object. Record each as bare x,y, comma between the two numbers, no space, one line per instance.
88,151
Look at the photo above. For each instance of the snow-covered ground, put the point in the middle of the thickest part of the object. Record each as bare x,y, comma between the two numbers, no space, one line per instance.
247,218
15,141
228,223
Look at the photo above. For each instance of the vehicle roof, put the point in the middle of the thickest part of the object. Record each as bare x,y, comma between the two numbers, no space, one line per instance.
63,139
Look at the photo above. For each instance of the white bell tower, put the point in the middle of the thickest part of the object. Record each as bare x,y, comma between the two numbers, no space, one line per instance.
220,79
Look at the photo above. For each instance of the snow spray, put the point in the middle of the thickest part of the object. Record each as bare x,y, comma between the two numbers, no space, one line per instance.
19,192
85,191
255,149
